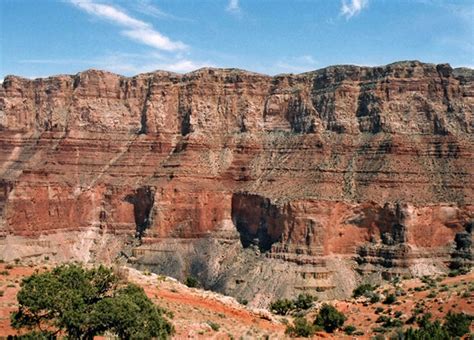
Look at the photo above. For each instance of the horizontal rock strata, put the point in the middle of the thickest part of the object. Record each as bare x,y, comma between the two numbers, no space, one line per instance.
321,176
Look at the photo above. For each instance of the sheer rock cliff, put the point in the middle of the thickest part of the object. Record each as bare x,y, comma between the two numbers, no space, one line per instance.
258,186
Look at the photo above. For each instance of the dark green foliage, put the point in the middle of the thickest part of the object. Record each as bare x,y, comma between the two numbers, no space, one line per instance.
429,331
457,272
214,326
304,301
362,290
191,282
84,303
391,298
329,318
392,323
301,328
285,306
350,329
375,298
244,302
378,310
457,324
282,307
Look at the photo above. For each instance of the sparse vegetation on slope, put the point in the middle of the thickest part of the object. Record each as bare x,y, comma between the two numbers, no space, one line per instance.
83,303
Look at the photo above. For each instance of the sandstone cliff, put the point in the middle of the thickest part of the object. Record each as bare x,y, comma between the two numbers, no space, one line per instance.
257,185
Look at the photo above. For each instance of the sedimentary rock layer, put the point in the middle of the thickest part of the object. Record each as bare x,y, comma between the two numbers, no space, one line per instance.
372,165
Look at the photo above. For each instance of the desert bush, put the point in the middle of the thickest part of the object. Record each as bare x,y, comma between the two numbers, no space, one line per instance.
391,298
282,306
457,324
329,318
374,298
285,306
301,328
244,302
429,331
214,326
191,282
391,323
304,301
349,329
362,290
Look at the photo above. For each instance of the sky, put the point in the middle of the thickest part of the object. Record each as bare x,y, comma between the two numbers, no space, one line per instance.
39,38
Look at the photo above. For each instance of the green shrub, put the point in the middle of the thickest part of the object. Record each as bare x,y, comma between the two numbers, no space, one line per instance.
5,272
410,320
429,331
363,289
349,329
9,266
282,307
244,302
391,298
375,298
304,301
391,323
379,330
301,328
214,326
457,324
424,320
329,318
382,318
191,282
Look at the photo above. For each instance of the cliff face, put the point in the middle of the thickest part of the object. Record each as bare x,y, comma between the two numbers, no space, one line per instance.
320,175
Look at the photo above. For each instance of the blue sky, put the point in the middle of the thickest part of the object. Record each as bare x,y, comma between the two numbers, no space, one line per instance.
45,37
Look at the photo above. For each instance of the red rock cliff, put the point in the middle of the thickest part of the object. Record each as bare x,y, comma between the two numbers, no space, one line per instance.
351,161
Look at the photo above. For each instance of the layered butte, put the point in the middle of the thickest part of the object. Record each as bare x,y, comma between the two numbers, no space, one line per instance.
258,186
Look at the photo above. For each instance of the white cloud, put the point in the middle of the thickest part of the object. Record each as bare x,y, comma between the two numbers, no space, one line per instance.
147,8
126,66
137,30
233,6
299,64
154,39
129,63
349,8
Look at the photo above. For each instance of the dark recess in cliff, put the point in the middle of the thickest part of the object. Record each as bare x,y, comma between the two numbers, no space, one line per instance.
257,220
142,200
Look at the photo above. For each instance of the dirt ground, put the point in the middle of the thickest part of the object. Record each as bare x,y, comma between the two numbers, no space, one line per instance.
200,314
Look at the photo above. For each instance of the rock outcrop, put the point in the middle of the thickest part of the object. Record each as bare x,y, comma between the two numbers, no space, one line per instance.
257,185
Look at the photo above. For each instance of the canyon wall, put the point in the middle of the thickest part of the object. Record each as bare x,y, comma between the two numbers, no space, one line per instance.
259,186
